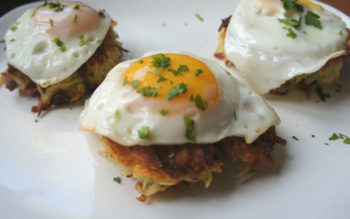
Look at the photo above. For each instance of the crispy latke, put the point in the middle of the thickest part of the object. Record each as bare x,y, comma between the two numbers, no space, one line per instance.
73,88
158,167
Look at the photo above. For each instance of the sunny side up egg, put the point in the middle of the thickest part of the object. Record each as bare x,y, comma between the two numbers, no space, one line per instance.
172,98
51,42
270,45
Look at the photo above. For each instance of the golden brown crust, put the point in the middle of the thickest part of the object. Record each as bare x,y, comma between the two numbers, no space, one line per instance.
167,166
73,88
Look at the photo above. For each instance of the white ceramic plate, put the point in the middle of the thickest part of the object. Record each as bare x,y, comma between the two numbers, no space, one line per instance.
49,169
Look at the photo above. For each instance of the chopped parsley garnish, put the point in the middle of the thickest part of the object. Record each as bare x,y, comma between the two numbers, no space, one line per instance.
252,171
13,28
170,156
148,91
341,33
228,73
157,71
313,19
170,82
12,40
144,132
125,81
36,121
290,33
180,69
198,72
346,139
164,24
82,41
199,17
59,43
295,138
234,115
51,22
163,112
199,102
176,91
117,113
76,7
292,5
99,41
74,20
117,179
161,79
323,96
135,84
291,22
140,61
313,136
326,144
52,5
160,61
190,130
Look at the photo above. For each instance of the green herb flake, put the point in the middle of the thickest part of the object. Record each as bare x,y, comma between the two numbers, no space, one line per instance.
36,121
12,40
321,95
334,137
291,5
117,114
161,79
290,33
180,69
164,112
228,73
252,171
170,156
160,61
346,140
125,81
198,72
76,7
199,102
176,91
13,28
313,136
135,83
164,24
157,71
144,132
341,33
59,43
51,22
74,20
326,144
171,82
190,130
291,22
313,19
99,41
295,138
148,91
117,179
82,41
234,115
199,17
54,5
140,61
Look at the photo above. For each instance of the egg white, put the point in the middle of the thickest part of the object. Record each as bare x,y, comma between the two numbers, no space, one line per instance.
252,115
258,46
37,55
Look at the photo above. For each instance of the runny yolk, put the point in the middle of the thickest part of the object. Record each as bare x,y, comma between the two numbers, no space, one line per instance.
68,22
204,84
311,4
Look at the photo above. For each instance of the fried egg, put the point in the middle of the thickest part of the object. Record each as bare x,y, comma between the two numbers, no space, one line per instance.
51,42
174,98
270,45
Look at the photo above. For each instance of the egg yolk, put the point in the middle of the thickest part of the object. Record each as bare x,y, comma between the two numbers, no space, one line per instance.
174,81
67,19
